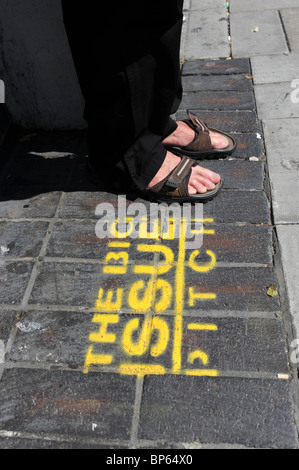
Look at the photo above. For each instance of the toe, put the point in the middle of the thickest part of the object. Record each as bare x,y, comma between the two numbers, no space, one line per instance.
198,187
200,172
219,141
192,191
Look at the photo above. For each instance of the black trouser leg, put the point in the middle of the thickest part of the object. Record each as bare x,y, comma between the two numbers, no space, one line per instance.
127,60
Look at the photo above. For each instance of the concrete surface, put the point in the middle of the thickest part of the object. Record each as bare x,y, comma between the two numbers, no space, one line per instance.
290,18
257,33
282,142
275,68
288,240
202,24
276,91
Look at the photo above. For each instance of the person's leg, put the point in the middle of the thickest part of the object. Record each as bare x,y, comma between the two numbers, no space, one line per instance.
96,40
148,155
127,60
155,83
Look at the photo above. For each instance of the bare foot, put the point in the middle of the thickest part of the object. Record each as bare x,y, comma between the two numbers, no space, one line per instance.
184,135
201,179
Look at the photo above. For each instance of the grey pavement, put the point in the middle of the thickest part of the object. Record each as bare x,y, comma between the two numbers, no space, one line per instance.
139,343
266,33
275,75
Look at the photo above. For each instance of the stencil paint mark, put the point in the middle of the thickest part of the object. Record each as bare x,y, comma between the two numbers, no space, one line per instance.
133,345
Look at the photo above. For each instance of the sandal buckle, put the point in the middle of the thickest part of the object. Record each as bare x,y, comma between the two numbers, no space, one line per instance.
172,184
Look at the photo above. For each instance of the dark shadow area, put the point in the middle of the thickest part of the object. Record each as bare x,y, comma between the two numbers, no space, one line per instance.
34,163
5,121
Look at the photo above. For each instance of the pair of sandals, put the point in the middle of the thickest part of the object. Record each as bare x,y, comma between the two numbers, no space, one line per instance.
174,188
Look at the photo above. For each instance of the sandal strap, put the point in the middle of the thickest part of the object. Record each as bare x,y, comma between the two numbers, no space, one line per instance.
179,173
176,183
202,141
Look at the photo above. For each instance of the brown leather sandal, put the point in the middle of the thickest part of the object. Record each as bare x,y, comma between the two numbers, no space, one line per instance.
201,146
174,188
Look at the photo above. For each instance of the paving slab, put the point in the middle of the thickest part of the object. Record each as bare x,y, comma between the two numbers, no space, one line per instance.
288,241
254,415
21,239
216,83
269,39
281,140
233,243
52,337
234,288
83,204
256,5
28,203
208,4
239,344
249,206
78,239
218,100
202,38
14,277
77,405
228,66
290,18
237,244
277,100
74,284
275,68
